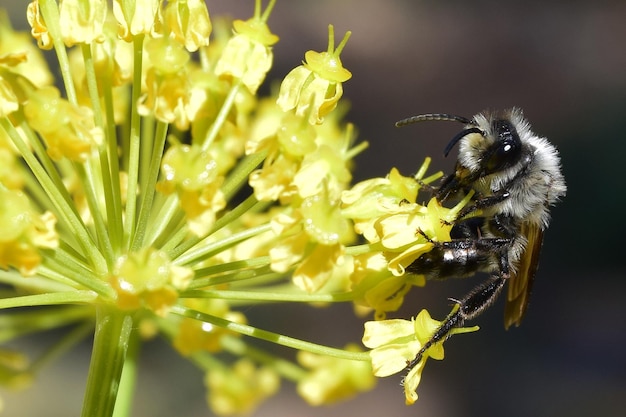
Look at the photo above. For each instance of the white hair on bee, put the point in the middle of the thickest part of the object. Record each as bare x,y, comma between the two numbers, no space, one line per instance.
533,185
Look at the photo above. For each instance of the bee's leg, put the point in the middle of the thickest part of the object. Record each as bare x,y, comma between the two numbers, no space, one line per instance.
503,225
484,202
426,187
470,306
448,184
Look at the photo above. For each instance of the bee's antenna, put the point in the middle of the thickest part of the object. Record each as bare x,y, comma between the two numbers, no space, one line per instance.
460,136
433,117
445,118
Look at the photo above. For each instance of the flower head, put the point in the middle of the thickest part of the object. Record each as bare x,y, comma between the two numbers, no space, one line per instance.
151,190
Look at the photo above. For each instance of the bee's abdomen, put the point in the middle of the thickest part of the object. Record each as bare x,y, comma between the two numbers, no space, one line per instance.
460,258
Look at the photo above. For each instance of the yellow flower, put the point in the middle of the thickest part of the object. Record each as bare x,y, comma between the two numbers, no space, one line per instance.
23,232
313,237
369,200
15,370
314,88
323,221
39,28
323,169
295,136
322,265
386,213
396,342
331,379
167,85
68,130
378,288
274,180
31,63
248,54
148,279
194,335
193,175
188,22
239,390
82,21
10,174
140,17
8,100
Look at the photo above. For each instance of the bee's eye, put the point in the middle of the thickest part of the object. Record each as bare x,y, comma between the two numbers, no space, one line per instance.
507,149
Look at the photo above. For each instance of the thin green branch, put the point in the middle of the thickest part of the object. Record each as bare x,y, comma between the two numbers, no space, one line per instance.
67,297
58,197
90,188
150,185
204,250
134,143
221,116
269,296
23,322
50,12
236,277
284,367
239,175
270,336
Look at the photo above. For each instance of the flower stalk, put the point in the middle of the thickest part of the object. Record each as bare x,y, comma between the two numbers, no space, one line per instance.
112,336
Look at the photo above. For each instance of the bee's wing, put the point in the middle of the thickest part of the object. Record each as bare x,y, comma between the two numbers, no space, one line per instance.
521,282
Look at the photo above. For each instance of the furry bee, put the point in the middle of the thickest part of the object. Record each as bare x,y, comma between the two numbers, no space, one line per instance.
516,177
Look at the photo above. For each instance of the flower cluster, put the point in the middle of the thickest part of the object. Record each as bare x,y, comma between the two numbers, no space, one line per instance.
154,190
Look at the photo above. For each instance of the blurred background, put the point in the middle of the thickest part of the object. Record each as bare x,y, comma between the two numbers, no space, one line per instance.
564,63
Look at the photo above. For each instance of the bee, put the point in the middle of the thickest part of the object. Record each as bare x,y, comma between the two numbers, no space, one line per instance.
516,177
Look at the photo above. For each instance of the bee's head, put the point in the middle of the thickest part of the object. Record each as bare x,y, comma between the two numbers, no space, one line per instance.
489,143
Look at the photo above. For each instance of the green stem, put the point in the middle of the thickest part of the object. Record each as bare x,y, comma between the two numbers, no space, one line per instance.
221,116
205,250
110,180
150,185
114,202
134,145
91,190
363,249
285,368
69,297
163,224
175,248
50,11
126,393
239,175
25,322
279,339
58,195
113,330
269,296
